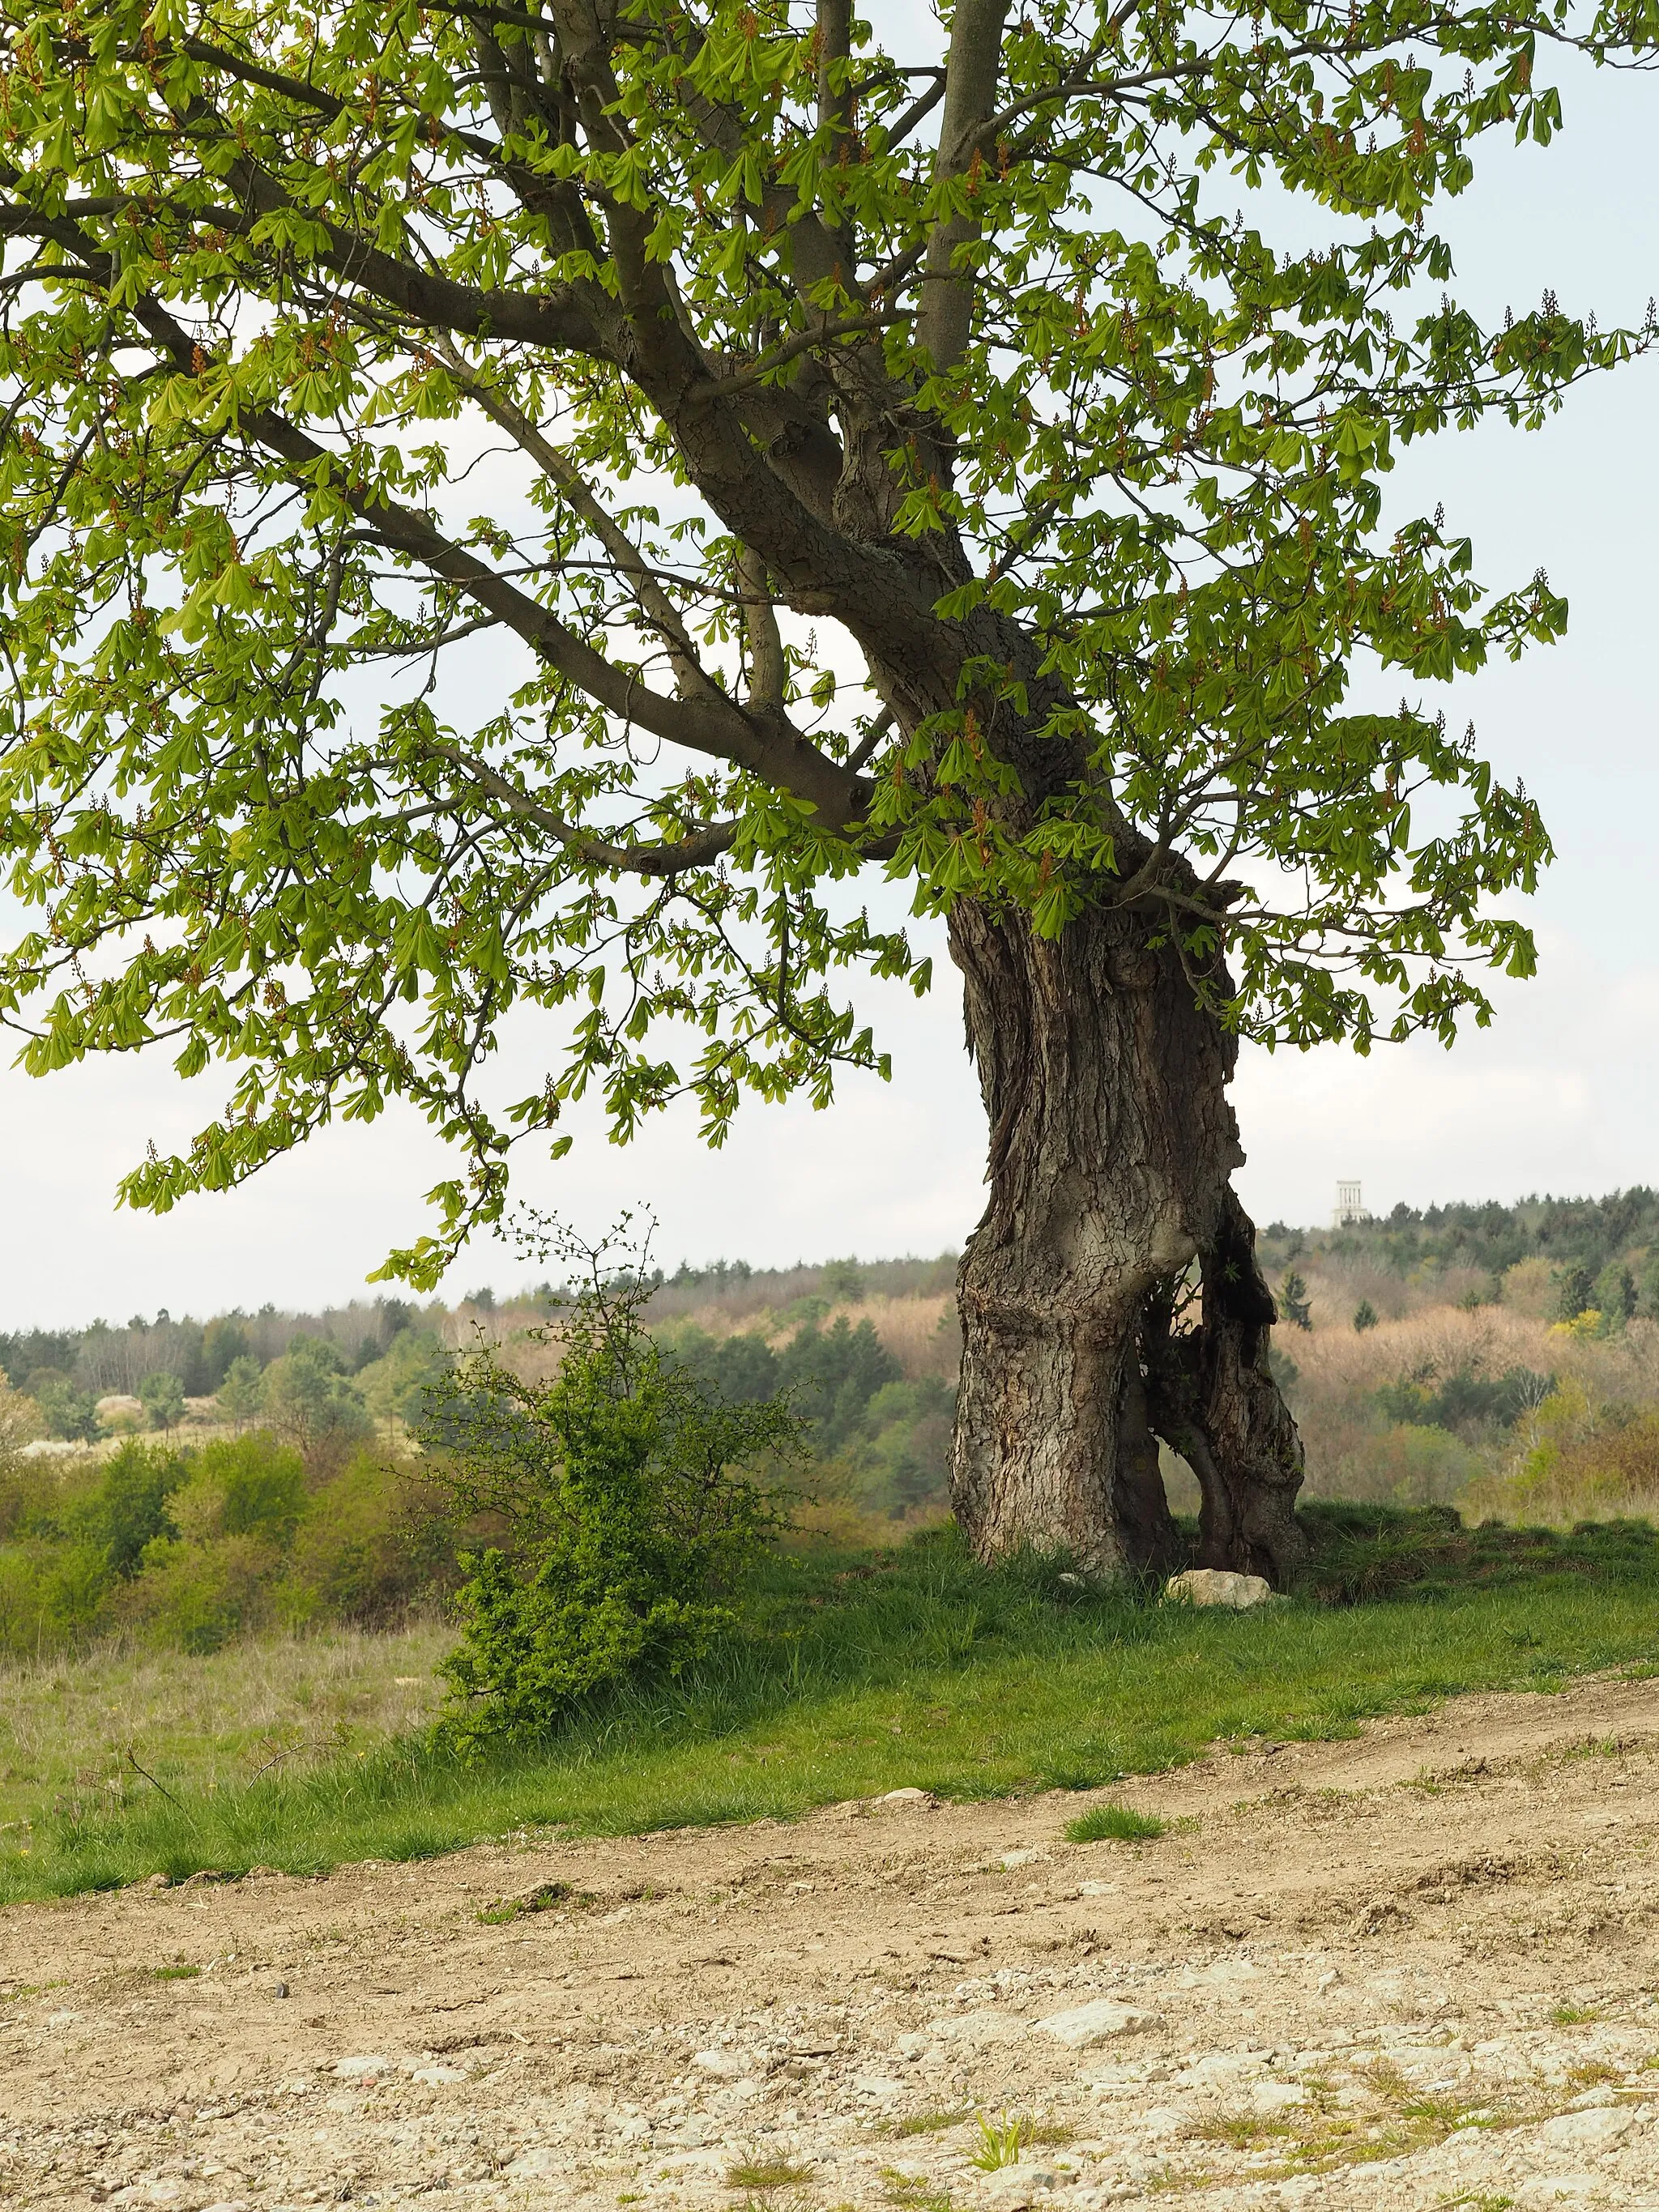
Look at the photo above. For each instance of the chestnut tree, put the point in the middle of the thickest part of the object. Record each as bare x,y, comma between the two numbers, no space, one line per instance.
938,456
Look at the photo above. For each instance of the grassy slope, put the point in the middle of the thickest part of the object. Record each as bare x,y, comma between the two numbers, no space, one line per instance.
920,1669
68,1724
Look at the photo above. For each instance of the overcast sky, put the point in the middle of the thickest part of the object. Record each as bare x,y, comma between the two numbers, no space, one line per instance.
1558,1094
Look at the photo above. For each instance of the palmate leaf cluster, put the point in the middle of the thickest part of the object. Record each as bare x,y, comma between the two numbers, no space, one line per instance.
898,477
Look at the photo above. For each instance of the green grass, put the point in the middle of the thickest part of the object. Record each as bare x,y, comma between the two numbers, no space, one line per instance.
927,2124
1119,1824
761,2172
211,1721
918,1667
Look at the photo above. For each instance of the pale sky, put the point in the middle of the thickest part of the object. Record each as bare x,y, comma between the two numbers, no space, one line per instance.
1557,1095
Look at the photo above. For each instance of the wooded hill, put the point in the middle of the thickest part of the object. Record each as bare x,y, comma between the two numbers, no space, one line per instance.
1590,1233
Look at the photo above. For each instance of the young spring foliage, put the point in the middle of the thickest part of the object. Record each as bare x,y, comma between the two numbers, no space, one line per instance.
928,460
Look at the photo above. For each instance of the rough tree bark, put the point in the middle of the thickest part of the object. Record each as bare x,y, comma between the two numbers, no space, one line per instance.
1112,1144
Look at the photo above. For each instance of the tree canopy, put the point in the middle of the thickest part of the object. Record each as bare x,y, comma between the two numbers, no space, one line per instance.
922,458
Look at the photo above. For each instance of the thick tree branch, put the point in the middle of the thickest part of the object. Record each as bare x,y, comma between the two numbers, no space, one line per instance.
710,725
970,92
768,668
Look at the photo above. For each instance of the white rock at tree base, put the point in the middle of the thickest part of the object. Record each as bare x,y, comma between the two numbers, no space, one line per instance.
1100,2022
1218,1586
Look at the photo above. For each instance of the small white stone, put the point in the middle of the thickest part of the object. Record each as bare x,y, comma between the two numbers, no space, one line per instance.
1163,2120
919,1800
1085,2026
724,2065
1544,2192
542,2159
1016,2187
1269,2098
434,2076
1598,2130
984,2026
360,2068
1218,1586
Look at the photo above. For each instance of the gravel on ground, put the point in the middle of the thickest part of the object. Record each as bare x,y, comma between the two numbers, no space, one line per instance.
1420,1967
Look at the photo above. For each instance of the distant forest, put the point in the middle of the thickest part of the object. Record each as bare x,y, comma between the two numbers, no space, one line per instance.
1587,1233
105,1357
1590,1234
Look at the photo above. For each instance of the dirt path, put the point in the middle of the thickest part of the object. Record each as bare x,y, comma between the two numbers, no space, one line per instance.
1418,1968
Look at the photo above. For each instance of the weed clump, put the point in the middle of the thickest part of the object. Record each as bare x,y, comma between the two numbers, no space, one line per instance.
1119,1824
1001,2142
760,2172
509,1909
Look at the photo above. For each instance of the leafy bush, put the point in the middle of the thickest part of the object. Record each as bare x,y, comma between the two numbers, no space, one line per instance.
212,1573
1615,1296
129,1510
241,1390
1411,1463
396,1387
1581,1461
1575,1292
252,1486
70,1414
627,1513
892,1437
370,1547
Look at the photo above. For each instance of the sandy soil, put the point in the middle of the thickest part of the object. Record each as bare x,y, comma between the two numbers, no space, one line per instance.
1419,1968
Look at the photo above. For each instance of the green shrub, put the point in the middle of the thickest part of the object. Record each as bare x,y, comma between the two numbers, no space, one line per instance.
1410,1463
249,1485
211,1573
194,1594
70,1414
395,1388
129,1510
629,1519
162,1397
368,1547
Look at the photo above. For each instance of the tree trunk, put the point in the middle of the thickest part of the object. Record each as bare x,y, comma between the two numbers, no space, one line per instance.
1112,1143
